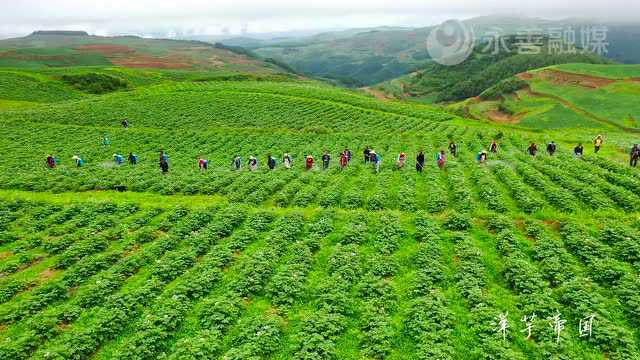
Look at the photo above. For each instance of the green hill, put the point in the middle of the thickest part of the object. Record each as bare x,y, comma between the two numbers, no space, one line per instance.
565,96
109,261
46,49
482,70
365,57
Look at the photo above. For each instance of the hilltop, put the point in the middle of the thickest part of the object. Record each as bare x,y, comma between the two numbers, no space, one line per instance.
46,49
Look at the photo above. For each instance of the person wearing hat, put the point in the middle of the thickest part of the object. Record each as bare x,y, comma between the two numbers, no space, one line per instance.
78,160
237,162
309,163
286,161
133,158
440,159
51,161
482,156
253,163
402,158
453,148
118,159
597,143
375,160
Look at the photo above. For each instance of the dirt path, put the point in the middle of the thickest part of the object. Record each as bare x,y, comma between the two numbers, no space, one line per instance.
558,77
376,93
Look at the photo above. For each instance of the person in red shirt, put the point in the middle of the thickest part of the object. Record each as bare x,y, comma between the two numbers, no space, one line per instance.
309,162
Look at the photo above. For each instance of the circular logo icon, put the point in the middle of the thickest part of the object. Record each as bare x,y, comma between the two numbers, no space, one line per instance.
451,43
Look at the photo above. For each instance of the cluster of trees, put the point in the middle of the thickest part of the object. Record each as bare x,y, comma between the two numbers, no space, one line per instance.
484,69
94,83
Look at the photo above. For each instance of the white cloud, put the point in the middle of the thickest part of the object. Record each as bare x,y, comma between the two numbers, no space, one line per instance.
212,16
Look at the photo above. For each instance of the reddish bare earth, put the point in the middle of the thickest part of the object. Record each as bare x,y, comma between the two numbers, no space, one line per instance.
126,56
107,49
563,78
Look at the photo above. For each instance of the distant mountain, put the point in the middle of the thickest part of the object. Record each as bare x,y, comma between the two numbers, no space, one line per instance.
45,49
362,57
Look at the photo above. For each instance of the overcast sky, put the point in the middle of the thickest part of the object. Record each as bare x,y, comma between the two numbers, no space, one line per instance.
210,17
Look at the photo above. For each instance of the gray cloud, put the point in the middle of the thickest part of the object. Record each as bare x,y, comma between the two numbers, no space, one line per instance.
211,17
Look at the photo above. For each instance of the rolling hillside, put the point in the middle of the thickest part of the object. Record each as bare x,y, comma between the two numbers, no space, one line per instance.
483,69
46,49
365,57
565,96
303,264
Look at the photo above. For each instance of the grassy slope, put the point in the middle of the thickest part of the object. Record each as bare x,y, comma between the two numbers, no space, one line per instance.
352,301
565,104
38,51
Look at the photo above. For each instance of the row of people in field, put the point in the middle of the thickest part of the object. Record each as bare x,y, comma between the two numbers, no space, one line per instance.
370,156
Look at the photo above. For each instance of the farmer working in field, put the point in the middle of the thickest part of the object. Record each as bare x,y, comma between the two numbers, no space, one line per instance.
453,148
164,166
551,148
118,159
367,154
440,159
308,164
105,139
482,156
78,160
164,157
532,149
271,162
348,153
494,146
325,160
635,155
597,143
125,124
252,163
402,159
578,151
420,161
133,159
51,161
375,161
237,162
286,161
344,159
203,164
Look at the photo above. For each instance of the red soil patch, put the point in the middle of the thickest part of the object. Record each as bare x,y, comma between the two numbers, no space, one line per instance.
107,49
376,93
502,117
147,61
563,78
128,57
525,76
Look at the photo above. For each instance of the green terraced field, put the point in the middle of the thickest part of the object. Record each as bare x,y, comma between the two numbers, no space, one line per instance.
569,96
295,264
